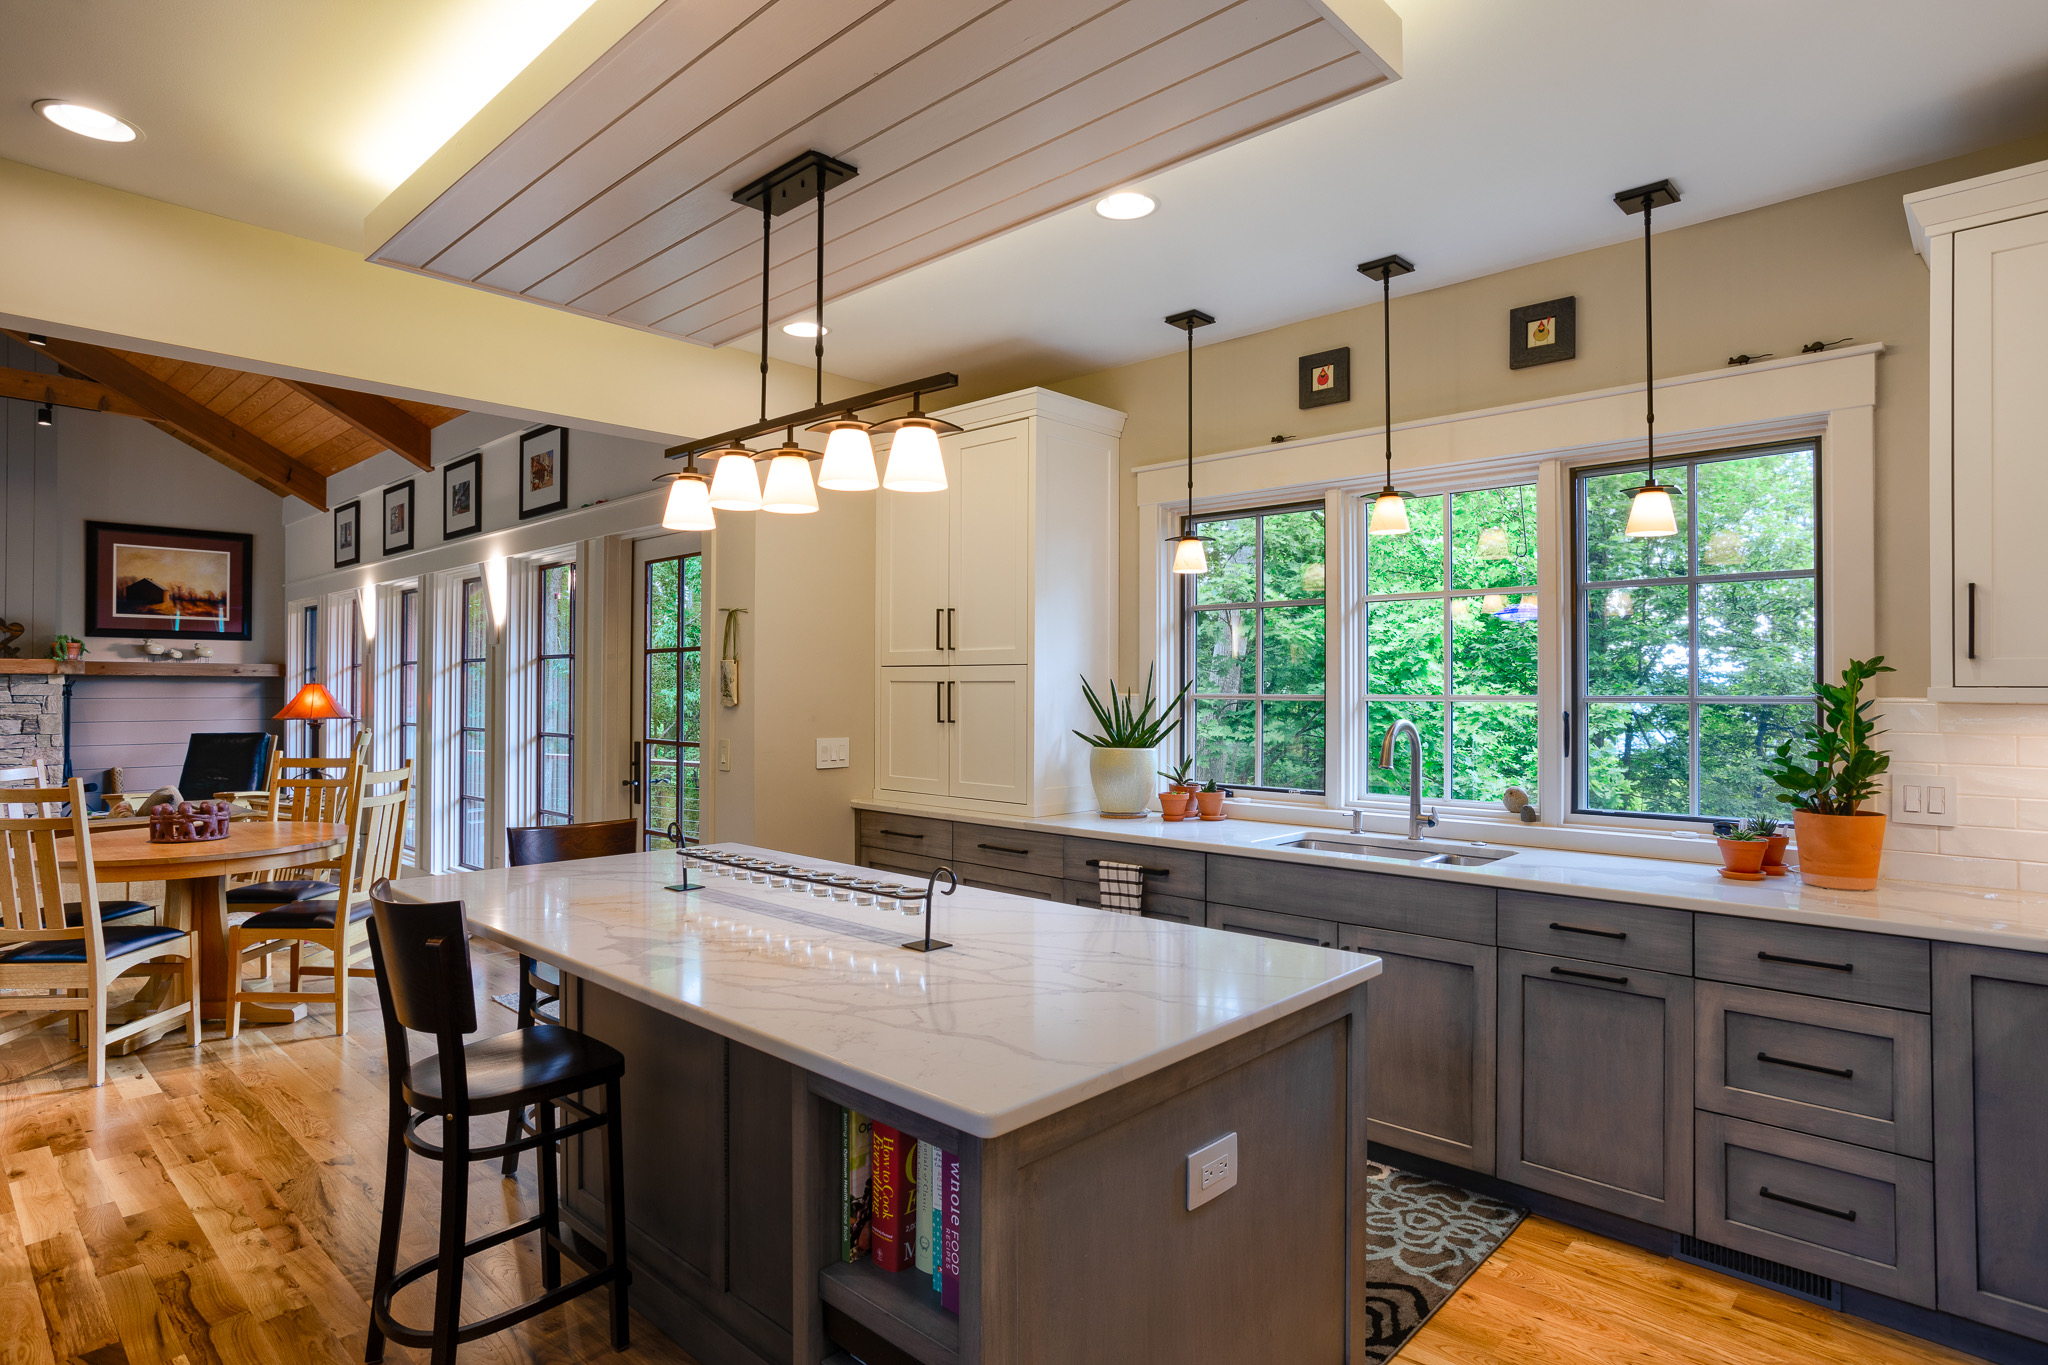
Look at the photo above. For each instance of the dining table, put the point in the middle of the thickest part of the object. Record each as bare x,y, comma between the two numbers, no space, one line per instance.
195,876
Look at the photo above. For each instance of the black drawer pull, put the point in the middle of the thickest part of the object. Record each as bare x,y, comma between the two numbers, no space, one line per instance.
1808,962
1844,1072
1590,976
998,848
899,834
1765,1191
1148,871
1614,934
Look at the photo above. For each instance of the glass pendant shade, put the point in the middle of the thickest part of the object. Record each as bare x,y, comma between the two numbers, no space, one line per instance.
1389,515
736,486
915,463
689,505
1493,603
1722,548
1493,544
1190,555
789,486
1620,602
1650,515
849,464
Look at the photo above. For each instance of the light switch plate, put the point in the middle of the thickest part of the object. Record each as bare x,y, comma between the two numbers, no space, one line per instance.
1212,1170
1924,801
834,753
725,755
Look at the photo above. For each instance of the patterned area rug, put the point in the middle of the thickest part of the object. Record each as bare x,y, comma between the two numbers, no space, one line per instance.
1426,1237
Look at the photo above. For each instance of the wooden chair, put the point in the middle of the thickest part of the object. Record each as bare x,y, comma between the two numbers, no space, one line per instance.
35,775
537,985
424,984
289,797
370,853
78,959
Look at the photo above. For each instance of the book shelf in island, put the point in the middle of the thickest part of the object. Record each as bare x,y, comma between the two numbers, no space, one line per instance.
901,1307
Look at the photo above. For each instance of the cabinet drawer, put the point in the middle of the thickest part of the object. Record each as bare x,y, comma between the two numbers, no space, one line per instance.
1411,905
1019,850
1646,936
1241,919
1003,879
1862,1217
1178,908
1175,871
906,833
1857,1073
899,864
1841,964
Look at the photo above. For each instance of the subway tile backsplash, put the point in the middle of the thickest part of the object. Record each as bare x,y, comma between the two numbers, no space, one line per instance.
1995,756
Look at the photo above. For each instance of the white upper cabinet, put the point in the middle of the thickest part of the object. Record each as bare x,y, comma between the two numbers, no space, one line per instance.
990,471
1986,244
914,552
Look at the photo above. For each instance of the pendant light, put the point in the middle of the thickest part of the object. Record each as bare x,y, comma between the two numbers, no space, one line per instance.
916,464
789,479
735,483
849,465
1389,505
689,501
1650,514
1190,553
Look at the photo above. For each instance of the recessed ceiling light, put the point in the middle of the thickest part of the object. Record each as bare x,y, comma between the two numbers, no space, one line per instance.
804,327
86,121
1125,204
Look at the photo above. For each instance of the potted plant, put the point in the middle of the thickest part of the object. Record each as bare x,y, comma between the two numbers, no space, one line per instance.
1120,765
1210,801
1742,851
1179,795
1839,845
66,647
1772,832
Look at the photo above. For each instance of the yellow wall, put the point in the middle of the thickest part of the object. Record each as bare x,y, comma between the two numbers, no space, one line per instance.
1825,266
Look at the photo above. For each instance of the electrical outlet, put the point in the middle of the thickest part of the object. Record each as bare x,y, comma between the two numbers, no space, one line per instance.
1924,801
725,755
834,753
1212,1170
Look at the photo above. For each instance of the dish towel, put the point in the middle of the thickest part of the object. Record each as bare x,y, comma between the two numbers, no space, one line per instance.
1123,887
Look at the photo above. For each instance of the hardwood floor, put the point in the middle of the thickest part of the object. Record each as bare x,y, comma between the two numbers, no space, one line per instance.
221,1209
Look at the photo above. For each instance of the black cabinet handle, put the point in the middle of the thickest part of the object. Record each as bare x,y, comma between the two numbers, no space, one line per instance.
949,629
998,848
898,834
1808,962
938,627
1590,976
1148,871
1768,1193
1614,934
1844,1072
1973,621
952,716
939,702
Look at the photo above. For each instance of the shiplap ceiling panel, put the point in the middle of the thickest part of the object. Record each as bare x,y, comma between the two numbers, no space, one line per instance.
966,118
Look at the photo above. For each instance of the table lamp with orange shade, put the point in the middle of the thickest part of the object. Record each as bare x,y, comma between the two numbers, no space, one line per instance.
313,705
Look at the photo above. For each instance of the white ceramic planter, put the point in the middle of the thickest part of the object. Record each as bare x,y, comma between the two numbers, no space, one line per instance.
1123,781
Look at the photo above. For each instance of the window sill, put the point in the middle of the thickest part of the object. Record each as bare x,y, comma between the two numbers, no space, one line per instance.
1483,827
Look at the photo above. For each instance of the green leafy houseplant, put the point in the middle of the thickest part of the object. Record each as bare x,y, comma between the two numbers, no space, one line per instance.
1125,725
1838,770
1121,757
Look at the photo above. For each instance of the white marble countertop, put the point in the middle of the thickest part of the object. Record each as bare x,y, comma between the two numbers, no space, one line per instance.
1036,1008
1997,919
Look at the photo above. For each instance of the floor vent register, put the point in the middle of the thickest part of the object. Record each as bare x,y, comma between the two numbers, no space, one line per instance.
1757,1270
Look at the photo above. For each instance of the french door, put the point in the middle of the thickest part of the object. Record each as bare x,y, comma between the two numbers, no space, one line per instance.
668,690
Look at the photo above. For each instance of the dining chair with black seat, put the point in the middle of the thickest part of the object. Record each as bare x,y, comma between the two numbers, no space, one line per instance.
35,775
323,800
58,956
538,987
425,985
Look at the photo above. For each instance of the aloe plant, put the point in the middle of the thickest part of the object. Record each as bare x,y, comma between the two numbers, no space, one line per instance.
1128,726
1839,769
1179,776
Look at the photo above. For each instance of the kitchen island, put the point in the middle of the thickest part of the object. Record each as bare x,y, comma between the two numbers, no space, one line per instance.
1072,1059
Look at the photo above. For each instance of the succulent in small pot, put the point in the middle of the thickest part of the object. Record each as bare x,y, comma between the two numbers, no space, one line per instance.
1178,800
1775,837
1840,845
1742,849
1210,801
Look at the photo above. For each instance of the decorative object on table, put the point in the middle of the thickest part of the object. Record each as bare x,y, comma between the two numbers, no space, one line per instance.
729,658
462,496
66,647
202,652
348,540
928,944
1209,800
1539,333
162,582
189,822
398,517
1742,853
1179,796
1840,846
1190,551
543,472
115,781
10,631
314,705
1120,886
1650,514
1325,378
162,796
1389,505
1120,764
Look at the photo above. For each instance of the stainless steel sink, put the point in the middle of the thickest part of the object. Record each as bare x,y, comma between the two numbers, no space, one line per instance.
1421,852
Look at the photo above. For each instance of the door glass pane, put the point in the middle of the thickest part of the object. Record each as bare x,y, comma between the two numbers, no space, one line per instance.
671,704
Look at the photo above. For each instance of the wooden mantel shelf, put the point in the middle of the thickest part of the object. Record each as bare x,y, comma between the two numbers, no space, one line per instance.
139,668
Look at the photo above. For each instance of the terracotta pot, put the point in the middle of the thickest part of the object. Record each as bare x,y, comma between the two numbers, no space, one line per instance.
1173,804
73,649
1743,855
1122,780
1774,855
1839,851
1211,804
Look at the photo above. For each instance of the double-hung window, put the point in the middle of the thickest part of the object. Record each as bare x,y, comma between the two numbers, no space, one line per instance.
408,707
348,679
556,666
473,700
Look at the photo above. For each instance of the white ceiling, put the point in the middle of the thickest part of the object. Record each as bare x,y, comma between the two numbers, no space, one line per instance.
1513,126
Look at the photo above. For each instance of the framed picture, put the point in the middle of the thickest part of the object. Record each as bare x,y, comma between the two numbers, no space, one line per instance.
163,583
398,518
543,472
1326,378
348,537
1539,333
462,496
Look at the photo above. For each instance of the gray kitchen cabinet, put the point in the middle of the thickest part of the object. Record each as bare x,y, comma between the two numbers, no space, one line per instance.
1429,1038
1411,905
1596,1085
1240,919
1176,908
1990,1124
1647,936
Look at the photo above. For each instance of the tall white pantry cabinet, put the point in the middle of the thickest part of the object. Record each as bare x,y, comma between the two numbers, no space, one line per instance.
992,601
1986,246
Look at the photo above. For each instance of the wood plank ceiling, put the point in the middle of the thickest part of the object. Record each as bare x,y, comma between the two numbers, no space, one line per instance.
285,434
966,118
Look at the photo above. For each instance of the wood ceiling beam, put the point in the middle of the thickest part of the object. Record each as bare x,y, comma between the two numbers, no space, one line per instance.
65,392
196,425
376,417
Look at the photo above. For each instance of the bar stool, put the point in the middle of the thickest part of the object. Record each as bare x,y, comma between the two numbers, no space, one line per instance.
424,984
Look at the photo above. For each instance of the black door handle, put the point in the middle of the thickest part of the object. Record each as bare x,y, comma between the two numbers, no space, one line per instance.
998,848
939,702
1766,1192
938,627
1973,621
1596,933
949,629
1808,962
1589,976
952,716
1844,1072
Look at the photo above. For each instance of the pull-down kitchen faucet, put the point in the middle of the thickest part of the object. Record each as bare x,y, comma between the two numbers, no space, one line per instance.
1417,821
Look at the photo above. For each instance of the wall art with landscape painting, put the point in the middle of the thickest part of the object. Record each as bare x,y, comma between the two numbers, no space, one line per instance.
162,583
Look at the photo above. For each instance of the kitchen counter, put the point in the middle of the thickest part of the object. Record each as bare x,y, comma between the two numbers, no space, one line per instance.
1995,919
